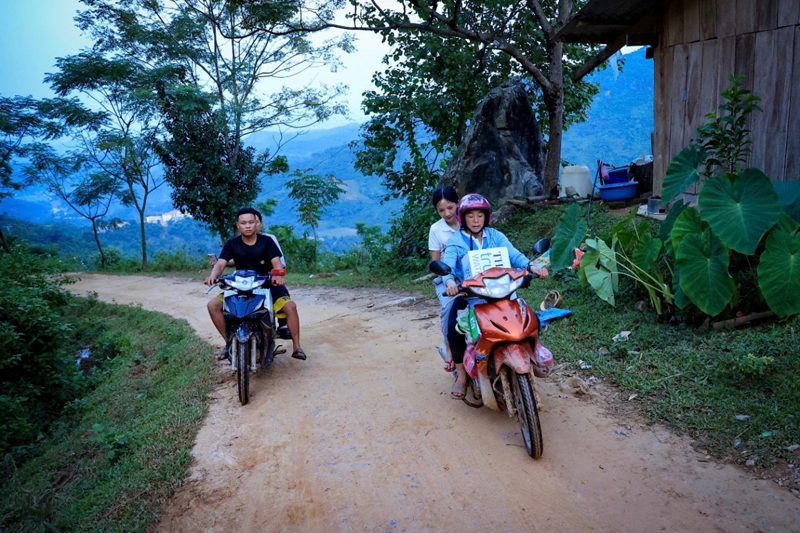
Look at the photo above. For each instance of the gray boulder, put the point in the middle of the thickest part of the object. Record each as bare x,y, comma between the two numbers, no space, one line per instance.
501,154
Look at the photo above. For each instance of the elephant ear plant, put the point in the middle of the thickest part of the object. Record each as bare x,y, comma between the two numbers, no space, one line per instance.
738,243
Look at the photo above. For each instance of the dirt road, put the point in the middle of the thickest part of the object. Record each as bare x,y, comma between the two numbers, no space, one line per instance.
364,437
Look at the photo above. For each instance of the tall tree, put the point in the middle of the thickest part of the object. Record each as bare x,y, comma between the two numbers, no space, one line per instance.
75,180
121,138
222,56
445,46
206,183
24,120
313,194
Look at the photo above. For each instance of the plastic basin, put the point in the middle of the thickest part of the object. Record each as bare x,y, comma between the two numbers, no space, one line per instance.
618,191
619,175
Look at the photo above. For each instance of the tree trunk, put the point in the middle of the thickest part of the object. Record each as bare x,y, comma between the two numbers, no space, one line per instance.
555,108
4,242
144,242
99,246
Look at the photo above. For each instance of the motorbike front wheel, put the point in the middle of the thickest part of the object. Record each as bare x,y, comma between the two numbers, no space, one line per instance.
243,371
527,413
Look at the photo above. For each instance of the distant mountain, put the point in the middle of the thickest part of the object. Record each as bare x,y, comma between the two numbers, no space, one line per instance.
617,131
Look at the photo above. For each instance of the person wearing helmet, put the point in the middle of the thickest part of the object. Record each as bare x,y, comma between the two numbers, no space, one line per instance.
474,215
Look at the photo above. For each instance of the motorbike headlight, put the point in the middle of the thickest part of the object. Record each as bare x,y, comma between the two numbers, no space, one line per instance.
245,283
498,287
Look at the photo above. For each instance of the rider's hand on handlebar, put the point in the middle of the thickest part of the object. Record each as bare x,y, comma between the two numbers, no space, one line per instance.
210,280
452,288
542,273
278,280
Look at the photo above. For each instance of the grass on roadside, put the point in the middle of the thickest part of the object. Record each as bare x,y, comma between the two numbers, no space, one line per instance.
118,453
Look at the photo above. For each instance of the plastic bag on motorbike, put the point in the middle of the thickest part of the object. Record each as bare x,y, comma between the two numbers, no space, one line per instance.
542,357
469,359
467,324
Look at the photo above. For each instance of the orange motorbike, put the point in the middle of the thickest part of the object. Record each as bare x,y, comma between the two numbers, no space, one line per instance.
500,359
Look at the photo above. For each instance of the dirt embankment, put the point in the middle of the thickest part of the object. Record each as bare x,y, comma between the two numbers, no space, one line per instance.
363,436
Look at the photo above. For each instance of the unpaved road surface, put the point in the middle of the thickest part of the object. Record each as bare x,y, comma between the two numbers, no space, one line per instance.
364,437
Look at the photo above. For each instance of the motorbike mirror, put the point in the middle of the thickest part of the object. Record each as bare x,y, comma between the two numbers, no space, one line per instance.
439,268
541,246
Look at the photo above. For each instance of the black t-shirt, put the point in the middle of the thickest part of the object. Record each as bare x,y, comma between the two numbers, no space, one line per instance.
257,257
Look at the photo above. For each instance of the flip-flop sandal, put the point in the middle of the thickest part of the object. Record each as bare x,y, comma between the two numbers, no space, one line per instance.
299,354
458,391
223,355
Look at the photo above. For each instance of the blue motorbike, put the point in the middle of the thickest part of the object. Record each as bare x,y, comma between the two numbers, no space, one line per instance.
249,323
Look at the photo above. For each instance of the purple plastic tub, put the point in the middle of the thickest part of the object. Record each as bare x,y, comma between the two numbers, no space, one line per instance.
618,191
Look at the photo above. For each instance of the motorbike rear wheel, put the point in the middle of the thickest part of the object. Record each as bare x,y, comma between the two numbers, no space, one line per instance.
243,371
527,413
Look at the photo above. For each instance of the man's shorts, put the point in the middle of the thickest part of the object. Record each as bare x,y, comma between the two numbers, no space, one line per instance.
280,297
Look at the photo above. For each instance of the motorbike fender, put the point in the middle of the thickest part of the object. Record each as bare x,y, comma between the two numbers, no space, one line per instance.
245,330
515,355
504,321
241,305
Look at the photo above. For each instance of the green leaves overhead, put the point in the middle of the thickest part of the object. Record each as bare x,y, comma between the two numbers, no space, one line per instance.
779,272
682,171
569,235
740,213
703,261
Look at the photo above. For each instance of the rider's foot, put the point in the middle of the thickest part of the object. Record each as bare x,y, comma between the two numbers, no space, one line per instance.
299,354
224,354
459,389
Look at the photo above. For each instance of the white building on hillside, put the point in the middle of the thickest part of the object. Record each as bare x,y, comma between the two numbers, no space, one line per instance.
166,218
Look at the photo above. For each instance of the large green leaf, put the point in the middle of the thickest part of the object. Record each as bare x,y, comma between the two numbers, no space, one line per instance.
787,223
682,171
666,227
688,221
597,276
646,251
569,235
740,212
779,272
681,300
789,195
703,263
608,258
621,229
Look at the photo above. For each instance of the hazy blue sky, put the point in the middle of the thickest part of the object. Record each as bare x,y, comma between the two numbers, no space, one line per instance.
36,32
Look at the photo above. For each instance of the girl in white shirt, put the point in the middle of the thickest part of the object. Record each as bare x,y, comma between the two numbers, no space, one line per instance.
445,200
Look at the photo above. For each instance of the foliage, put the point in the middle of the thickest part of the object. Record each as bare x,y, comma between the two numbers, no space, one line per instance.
206,182
119,139
299,252
736,245
38,365
313,194
738,214
122,449
456,52
81,186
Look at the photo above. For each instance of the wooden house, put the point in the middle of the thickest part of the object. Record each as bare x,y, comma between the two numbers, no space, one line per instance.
696,45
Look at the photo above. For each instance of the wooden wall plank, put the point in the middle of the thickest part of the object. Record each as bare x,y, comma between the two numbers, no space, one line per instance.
746,15
709,81
727,63
708,19
788,13
792,148
674,23
763,81
661,59
767,15
675,101
694,90
691,21
726,18
744,66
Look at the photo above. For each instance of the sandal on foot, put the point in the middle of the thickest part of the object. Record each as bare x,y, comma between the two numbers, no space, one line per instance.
299,354
459,390
224,354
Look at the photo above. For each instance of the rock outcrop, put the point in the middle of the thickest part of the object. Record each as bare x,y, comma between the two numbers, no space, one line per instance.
501,154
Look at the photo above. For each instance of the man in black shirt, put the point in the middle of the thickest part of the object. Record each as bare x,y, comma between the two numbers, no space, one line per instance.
253,251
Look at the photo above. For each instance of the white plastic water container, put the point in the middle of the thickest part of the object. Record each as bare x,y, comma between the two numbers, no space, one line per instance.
576,180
